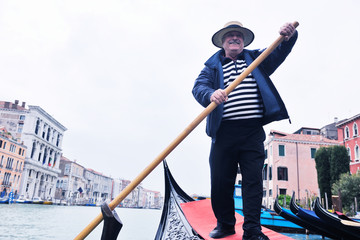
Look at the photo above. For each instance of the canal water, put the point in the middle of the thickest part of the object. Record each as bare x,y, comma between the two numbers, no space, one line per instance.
40,222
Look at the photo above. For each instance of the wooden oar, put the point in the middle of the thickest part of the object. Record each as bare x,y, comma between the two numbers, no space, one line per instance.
93,224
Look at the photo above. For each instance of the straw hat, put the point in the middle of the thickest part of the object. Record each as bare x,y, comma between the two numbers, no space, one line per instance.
232,26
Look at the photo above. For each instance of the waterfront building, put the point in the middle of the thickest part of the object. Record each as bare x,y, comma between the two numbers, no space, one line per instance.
98,187
117,187
71,183
330,131
290,164
138,198
153,199
12,158
348,135
42,135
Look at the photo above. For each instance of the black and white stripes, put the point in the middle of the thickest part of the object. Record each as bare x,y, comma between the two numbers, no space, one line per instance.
244,101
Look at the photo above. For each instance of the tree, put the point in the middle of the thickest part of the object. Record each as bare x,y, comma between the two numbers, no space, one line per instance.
322,160
339,162
331,162
348,185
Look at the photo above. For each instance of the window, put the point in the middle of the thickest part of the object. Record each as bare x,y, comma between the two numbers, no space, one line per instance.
356,153
282,174
265,169
266,153
355,129
313,151
282,191
347,132
33,150
349,152
20,127
281,150
270,173
37,126
270,193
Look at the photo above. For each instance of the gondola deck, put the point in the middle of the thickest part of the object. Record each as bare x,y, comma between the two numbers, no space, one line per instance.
185,218
201,218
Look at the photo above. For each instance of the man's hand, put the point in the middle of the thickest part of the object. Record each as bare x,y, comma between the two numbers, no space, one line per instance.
287,30
219,96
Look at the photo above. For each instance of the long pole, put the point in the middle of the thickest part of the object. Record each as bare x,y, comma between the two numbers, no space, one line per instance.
94,223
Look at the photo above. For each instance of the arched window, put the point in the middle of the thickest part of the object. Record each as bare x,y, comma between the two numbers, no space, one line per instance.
37,126
355,130
356,151
349,152
33,150
347,132
48,134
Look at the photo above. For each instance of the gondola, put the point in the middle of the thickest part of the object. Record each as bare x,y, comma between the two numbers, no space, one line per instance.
288,215
173,223
311,218
349,228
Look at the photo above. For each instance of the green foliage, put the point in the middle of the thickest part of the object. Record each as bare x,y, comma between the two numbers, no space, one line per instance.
349,188
331,162
287,199
339,162
322,160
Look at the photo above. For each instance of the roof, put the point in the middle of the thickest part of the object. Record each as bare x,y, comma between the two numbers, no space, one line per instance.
301,137
10,105
346,121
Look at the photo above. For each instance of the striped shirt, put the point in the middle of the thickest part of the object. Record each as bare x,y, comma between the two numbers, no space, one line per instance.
244,102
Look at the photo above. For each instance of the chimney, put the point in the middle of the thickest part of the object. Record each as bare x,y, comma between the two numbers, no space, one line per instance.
335,119
23,104
16,102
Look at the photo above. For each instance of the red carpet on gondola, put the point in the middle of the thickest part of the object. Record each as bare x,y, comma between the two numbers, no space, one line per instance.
202,219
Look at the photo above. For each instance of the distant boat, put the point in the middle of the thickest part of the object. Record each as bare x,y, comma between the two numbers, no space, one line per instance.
37,200
268,218
4,200
22,199
48,202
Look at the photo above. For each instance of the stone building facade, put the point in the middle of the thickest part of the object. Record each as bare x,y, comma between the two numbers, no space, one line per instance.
348,135
290,164
42,135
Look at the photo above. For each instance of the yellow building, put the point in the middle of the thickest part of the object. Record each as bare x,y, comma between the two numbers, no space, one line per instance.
12,157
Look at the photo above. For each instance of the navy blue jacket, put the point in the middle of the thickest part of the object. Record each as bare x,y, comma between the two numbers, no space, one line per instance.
211,78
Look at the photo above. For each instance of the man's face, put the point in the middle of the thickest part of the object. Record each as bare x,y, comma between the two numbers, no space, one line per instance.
233,43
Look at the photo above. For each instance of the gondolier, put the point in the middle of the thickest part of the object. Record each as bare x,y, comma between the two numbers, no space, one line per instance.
236,125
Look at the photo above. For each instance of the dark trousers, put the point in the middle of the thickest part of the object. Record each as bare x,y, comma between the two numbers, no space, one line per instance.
238,142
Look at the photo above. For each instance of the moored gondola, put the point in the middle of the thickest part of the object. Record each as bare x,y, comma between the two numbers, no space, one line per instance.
350,229
310,217
288,215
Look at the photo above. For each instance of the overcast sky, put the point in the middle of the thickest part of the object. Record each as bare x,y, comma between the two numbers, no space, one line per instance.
118,74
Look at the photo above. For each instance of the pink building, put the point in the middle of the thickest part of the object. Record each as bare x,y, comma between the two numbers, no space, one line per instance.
348,135
290,164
